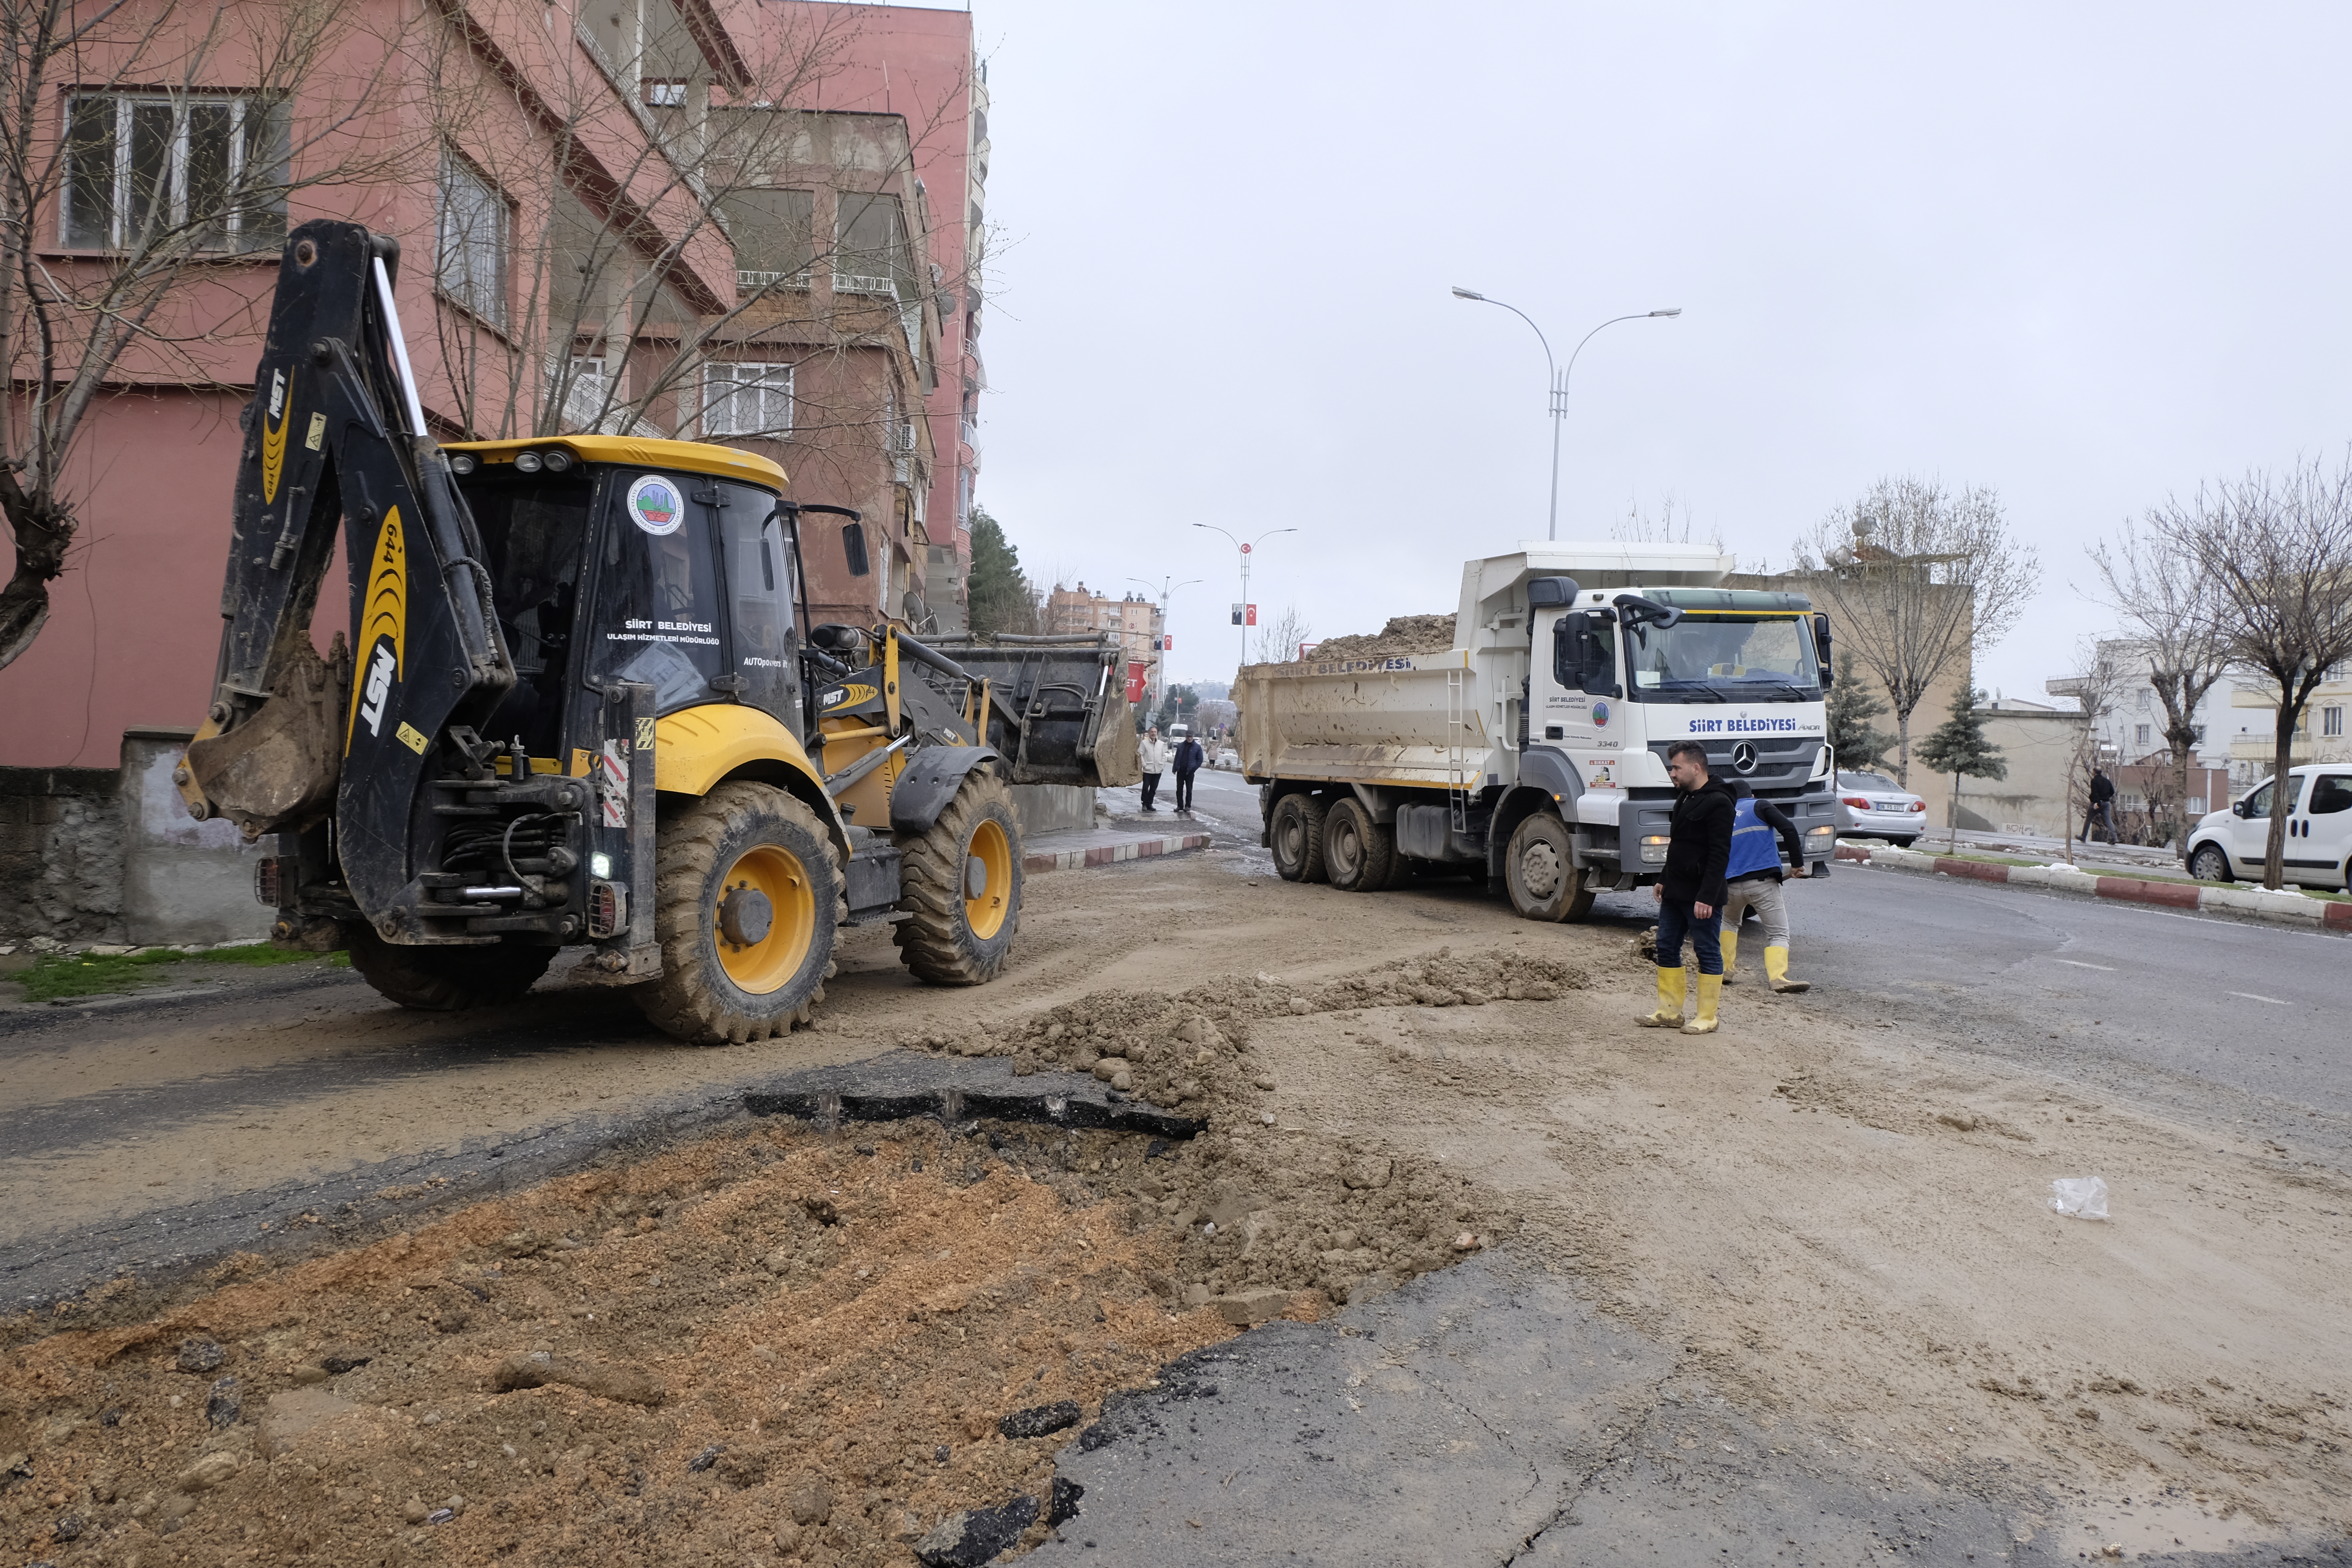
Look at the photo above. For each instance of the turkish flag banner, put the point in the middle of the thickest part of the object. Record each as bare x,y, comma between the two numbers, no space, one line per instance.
1135,669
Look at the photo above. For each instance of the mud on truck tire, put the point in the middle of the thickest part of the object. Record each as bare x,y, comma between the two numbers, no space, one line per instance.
960,887
1295,834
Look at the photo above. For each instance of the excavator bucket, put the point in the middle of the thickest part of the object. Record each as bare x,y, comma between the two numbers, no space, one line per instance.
1058,705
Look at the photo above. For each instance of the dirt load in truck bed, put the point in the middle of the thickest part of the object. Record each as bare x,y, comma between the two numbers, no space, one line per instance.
1403,635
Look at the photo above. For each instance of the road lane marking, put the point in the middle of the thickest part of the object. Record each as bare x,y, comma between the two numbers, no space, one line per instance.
2251,997
2078,963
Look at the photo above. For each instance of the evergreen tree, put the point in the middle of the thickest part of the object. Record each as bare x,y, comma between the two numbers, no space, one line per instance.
1001,599
1958,747
1850,709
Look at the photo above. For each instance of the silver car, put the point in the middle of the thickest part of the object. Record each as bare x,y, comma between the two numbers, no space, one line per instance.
1872,805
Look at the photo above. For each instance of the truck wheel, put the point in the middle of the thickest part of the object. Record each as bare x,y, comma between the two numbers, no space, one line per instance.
959,884
1359,854
1297,836
1546,883
447,979
747,893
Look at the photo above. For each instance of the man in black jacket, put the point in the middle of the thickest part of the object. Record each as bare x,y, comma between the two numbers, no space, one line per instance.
1188,758
1690,896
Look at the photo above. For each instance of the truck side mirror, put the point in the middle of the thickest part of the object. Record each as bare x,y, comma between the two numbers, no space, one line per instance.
1821,647
853,546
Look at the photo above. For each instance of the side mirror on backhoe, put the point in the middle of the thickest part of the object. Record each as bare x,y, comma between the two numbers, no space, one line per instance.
852,546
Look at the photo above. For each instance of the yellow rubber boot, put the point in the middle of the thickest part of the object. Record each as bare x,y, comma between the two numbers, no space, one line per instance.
1710,992
1776,969
1730,943
1669,1014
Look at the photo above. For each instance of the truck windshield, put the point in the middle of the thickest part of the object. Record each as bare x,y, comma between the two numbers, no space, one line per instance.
1708,656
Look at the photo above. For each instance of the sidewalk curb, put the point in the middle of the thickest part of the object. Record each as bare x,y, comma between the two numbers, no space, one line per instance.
2285,909
1111,854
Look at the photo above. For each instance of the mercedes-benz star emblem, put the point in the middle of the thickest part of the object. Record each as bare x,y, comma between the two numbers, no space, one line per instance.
1743,758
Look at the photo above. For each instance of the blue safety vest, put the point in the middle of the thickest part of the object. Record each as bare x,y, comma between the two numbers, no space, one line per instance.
1753,845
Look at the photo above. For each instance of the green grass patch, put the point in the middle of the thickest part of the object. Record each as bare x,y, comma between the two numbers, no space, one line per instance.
58,976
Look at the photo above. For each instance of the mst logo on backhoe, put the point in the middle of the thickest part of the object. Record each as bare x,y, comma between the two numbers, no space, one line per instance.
273,438
856,691
383,632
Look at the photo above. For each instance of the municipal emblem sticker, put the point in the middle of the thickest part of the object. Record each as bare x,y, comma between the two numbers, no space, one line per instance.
657,506
1601,715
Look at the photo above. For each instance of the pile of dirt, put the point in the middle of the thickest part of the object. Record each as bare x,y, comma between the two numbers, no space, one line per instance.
782,1345
1402,636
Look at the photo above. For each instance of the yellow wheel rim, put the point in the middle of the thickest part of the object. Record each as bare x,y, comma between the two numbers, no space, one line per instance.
767,964
988,869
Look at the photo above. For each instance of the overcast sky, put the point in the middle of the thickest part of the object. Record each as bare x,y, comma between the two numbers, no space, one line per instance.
2083,255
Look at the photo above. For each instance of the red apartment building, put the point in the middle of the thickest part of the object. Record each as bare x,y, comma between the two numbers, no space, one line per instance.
755,222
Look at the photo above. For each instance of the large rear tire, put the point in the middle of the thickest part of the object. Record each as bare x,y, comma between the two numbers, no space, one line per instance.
959,885
1296,834
748,893
447,979
1359,854
1539,868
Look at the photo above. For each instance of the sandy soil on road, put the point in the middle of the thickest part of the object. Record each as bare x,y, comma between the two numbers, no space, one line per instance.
1845,1226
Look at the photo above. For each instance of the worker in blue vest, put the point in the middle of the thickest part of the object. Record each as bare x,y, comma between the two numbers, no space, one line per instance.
1752,880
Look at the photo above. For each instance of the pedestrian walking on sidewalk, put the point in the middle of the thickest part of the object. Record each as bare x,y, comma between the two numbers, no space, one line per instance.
1188,759
1752,881
1690,896
2102,806
1153,754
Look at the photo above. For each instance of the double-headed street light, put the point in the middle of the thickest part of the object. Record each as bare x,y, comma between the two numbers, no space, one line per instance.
1246,550
1559,381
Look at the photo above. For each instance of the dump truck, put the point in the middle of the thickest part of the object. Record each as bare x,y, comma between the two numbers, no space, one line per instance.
1533,752
579,703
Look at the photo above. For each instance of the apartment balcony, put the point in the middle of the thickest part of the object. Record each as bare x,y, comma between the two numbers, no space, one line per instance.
751,282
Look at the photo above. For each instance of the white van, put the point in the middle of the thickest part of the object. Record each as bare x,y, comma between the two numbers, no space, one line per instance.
2232,843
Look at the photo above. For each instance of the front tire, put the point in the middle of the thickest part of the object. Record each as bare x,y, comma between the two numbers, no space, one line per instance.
2210,863
1295,834
960,887
1359,854
447,979
1539,868
748,893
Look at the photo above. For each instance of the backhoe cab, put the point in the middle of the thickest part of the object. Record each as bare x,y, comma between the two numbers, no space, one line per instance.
581,703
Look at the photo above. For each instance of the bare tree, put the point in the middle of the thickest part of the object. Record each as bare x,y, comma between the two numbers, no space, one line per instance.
1278,644
2168,609
144,151
1916,576
2279,550
1671,524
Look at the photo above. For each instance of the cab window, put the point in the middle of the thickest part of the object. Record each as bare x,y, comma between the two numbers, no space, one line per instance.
658,603
534,534
760,594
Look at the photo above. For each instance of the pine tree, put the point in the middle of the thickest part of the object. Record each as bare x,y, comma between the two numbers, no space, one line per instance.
1001,597
1958,747
1850,709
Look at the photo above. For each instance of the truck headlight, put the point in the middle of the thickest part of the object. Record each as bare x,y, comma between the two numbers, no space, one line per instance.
1654,849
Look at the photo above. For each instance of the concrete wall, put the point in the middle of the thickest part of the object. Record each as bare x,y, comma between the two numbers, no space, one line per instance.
182,880
109,854
2039,747
1052,808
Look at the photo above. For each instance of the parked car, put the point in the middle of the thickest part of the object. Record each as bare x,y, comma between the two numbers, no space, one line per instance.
2231,844
1872,805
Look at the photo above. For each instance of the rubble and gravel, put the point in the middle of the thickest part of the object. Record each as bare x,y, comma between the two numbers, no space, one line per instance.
1402,636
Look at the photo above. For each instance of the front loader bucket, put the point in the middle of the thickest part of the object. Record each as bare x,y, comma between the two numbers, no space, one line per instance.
1058,706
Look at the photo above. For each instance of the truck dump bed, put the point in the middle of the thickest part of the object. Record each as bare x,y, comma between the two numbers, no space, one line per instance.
1412,721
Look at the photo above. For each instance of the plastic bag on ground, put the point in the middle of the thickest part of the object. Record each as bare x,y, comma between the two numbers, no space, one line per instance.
2079,1197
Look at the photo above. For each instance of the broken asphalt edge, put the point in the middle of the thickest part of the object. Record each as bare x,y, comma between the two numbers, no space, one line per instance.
170,1249
2184,898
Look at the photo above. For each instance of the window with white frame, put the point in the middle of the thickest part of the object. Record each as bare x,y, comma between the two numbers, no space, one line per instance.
141,167
747,400
471,263
2140,734
585,393
2331,720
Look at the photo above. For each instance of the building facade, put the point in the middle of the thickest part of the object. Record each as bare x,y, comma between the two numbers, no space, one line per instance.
756,225
1136,621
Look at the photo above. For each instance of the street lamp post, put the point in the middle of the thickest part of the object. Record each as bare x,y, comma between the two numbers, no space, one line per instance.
1246,550
1558,380
1159,665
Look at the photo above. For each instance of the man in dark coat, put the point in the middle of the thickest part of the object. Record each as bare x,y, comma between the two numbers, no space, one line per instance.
1691,894
1188,759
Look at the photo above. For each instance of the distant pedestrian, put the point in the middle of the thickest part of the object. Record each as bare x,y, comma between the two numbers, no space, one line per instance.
1691,893
1153,754
2102,815
1190,758
1752,881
